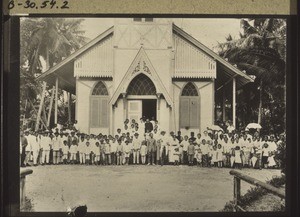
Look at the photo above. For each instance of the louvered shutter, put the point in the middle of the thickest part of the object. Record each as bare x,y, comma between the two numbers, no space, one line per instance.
103,104
184,112
194,112
94,118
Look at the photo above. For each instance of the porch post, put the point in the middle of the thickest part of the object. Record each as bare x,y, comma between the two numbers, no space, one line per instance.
223,107
69,106
38,119
56,99
234,102
158,95
50,107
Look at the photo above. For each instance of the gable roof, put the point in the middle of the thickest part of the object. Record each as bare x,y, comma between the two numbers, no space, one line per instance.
64,70
141,64
227,67
68,63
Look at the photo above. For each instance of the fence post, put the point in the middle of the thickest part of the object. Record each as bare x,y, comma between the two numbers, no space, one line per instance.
23,174
236,191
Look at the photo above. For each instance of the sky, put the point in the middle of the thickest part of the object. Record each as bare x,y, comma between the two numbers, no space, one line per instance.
208,31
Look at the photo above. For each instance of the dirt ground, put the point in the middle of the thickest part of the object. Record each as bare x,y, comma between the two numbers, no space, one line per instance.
134,188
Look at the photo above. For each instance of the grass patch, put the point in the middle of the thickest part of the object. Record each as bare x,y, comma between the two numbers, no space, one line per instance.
27,206
256,193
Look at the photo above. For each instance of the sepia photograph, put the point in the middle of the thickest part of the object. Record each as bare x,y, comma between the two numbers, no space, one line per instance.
152,114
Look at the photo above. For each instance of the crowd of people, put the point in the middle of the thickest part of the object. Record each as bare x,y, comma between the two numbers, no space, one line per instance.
145,143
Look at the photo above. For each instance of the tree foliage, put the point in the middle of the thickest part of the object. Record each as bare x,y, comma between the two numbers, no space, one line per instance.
43,43
260,51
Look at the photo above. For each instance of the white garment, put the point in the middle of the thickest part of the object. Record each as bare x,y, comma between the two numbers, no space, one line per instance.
45,143
56,142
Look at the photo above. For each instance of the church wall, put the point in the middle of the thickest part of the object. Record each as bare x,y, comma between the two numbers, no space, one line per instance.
163,115
122,62
206,92
118,119
84,91
161,61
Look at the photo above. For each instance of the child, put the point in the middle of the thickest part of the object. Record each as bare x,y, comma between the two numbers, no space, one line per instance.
127,151
214,159
81,149
232,157
237,157
191,152
73,152
65,150
97,153
87,153
119,152
246,156
176,156
184,144
143,151
107,152
265,155
113,150
199,156
220,155
204,151
102,152
136,148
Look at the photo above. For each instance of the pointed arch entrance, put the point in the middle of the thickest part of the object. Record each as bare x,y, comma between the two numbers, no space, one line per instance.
142,99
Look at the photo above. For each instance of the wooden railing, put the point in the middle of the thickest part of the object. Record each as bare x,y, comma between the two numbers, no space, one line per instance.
23,174
237,187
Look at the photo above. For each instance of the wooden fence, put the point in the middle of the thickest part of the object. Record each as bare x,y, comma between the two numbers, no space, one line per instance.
237,187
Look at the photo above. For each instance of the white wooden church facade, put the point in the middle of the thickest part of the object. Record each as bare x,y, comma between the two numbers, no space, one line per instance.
144,68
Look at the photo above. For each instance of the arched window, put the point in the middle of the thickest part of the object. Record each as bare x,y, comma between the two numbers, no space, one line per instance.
141,85
189,107
189,90
99,106
100,89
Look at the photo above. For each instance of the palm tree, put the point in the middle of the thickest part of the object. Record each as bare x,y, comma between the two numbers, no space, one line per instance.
44,40
260,51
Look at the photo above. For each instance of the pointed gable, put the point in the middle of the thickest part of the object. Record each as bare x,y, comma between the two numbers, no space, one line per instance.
141,64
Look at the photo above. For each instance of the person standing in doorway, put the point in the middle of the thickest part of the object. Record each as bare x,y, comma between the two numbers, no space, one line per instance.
148,126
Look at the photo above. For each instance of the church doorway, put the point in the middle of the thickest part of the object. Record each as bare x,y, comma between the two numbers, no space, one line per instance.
142,99
149,108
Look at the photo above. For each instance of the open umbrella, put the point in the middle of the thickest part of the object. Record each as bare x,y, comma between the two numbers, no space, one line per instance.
215,128
253,126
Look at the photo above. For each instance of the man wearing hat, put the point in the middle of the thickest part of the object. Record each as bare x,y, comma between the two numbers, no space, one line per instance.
35,146
136,143
28,147
191,152
73,140
45,147
56,146
151,144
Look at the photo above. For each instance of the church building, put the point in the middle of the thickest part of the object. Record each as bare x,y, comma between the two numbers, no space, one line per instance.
145,67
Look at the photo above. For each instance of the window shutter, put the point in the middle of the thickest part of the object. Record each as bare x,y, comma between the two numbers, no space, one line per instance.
194,112
104,112
94,112
184,112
